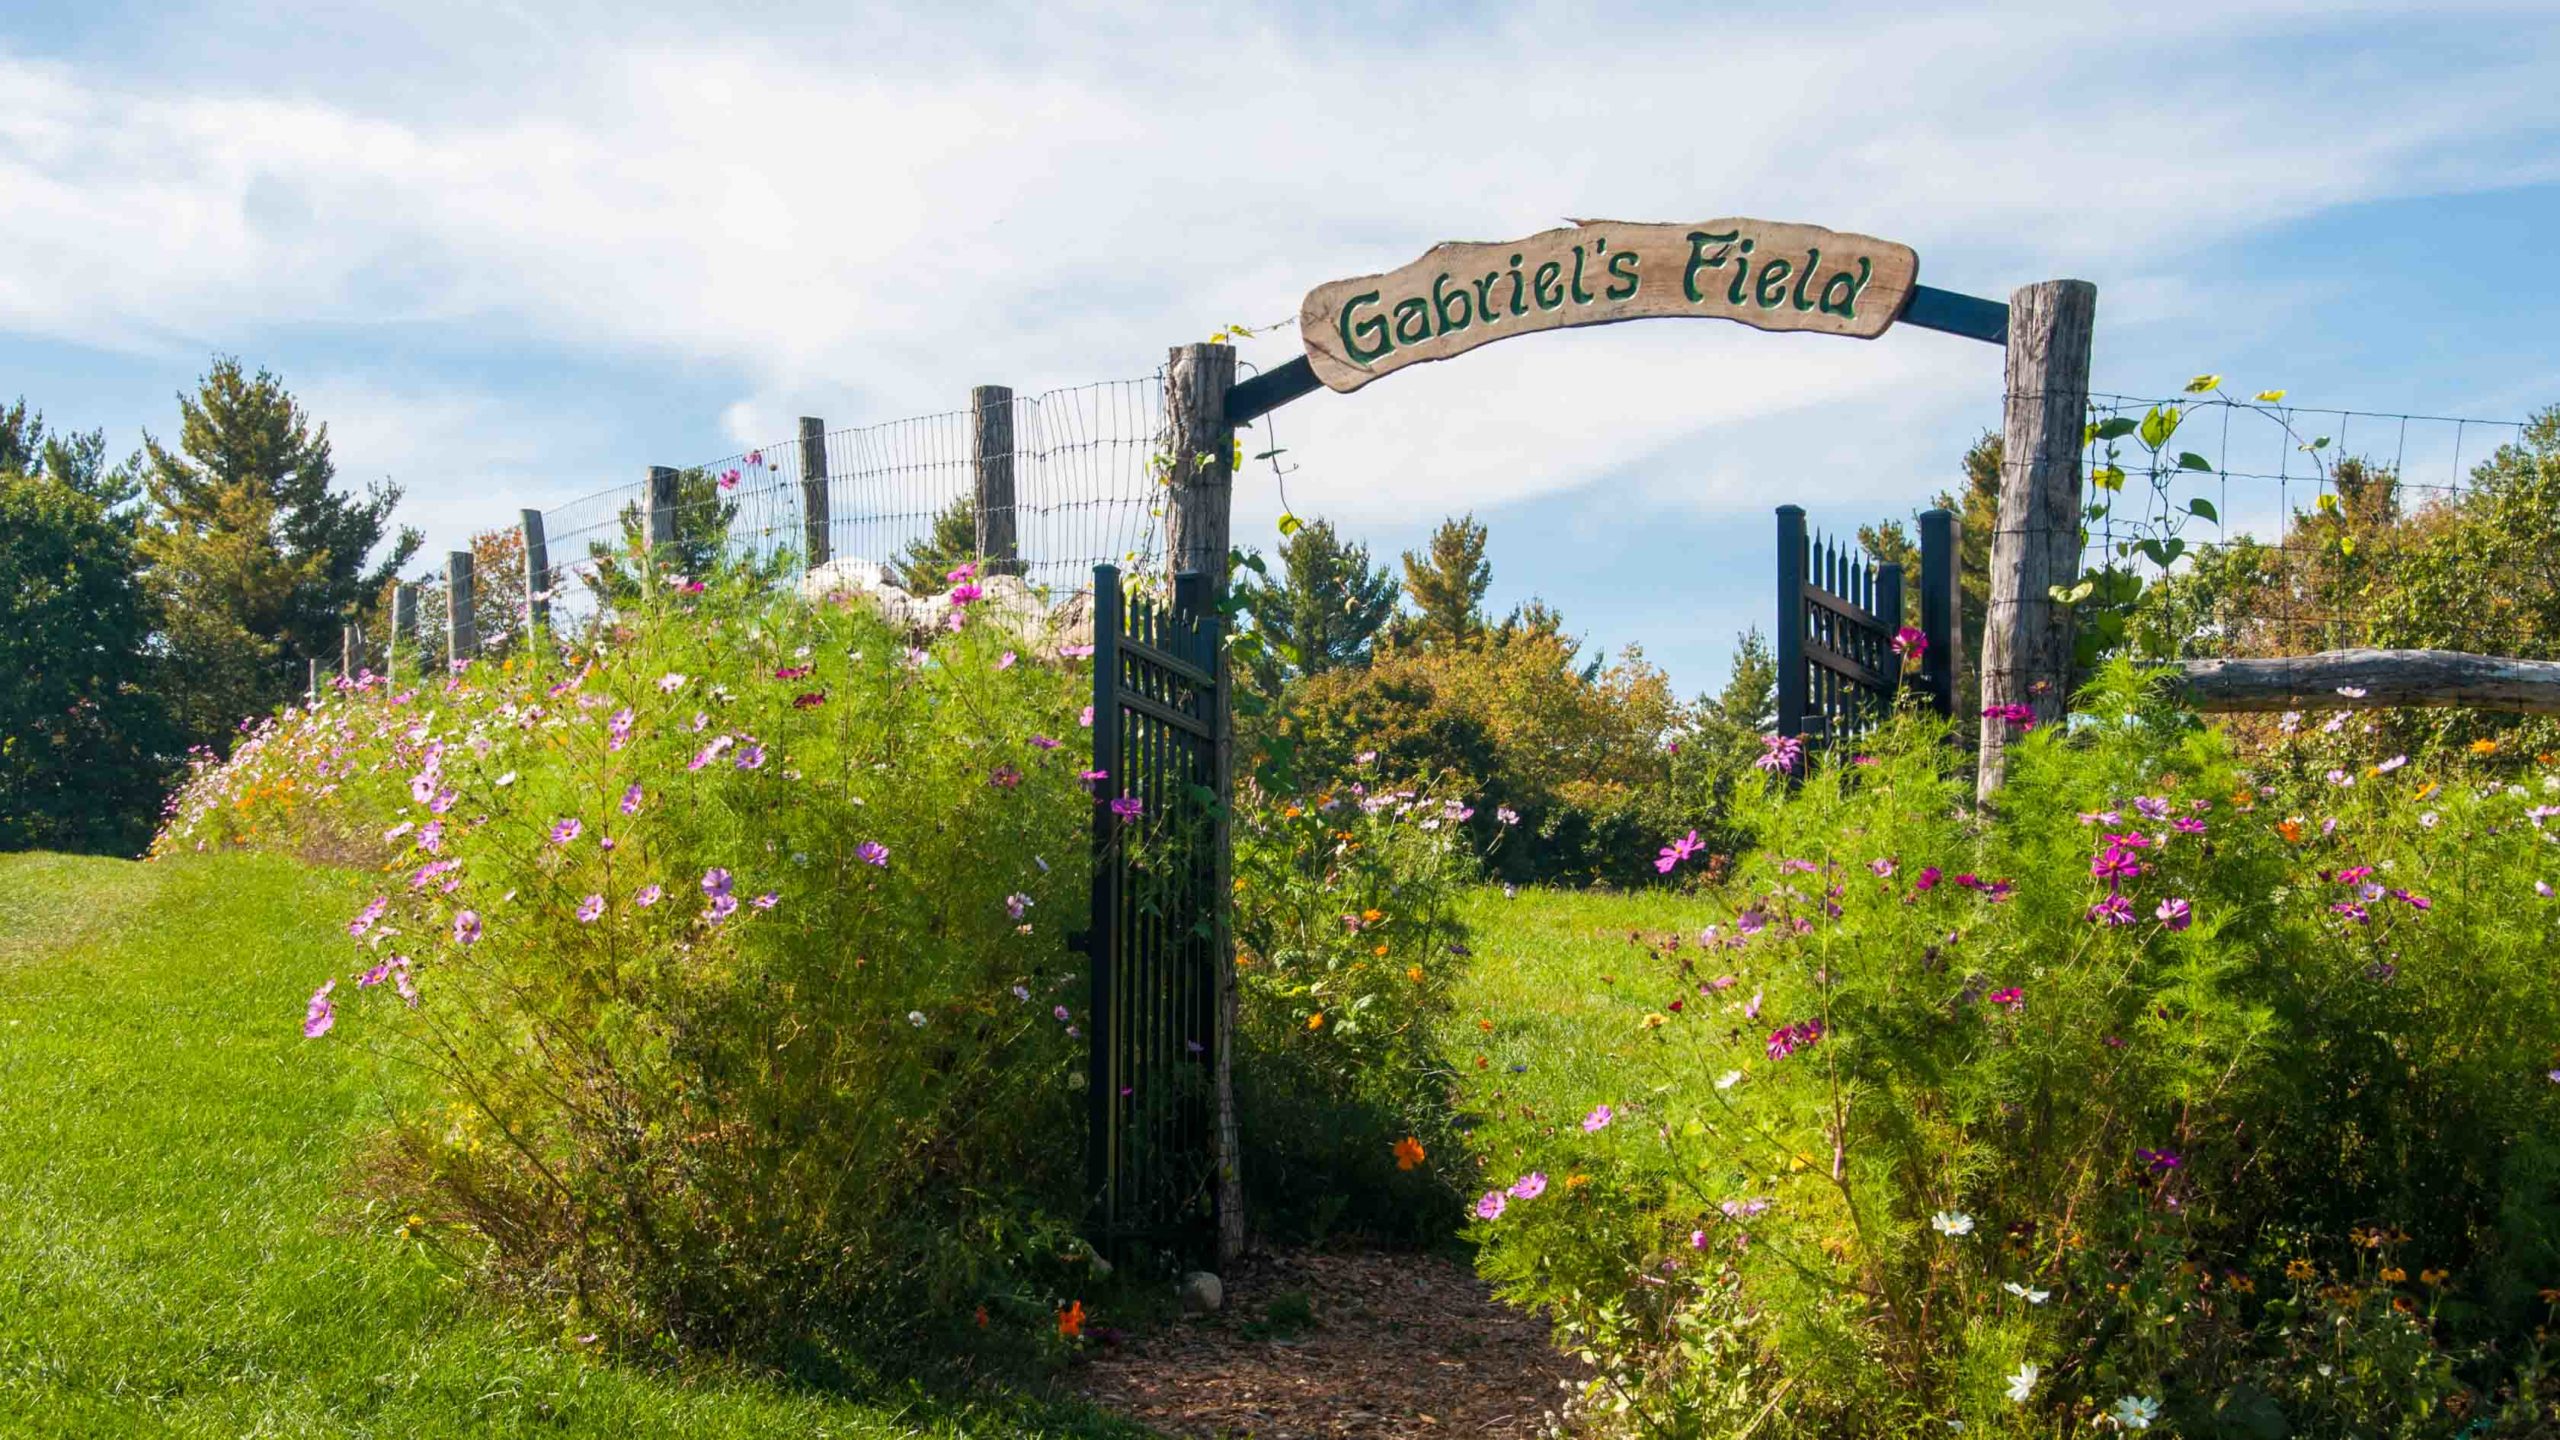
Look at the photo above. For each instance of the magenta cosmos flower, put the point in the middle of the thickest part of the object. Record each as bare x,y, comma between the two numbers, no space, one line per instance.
2175,913
1529,1186
565,831
466,928
1128,807
1491,1206
631,799
872,852
1598,1119
590,909
648,896
1677,851
319,1015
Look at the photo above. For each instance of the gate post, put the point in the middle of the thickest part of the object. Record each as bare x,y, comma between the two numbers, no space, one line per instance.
1102,943
1889,610
991,464
2026,634
1789,641
1200,456
1941,624
662,506
813,492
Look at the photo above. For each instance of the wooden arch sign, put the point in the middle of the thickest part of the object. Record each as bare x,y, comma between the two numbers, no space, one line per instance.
1459,295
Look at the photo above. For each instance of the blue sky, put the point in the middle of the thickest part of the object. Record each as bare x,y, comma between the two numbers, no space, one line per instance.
513,254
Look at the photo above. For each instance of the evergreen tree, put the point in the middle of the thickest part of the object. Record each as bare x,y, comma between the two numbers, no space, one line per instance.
1448,583
1324,608
256,563
85,741
926,567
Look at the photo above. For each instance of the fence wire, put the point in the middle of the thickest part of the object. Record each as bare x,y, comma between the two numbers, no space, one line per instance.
2267,573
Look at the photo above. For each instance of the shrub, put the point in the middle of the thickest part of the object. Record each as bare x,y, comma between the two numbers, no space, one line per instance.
2166,1091
733,951
1346,940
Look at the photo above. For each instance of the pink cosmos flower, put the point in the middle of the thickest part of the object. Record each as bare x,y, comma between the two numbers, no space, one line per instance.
1598,1120
619,727
722,907
2187,825
363,922
1043,742
2008,997
1005,661
872,852
2161,1162
589,909
1529,1186
1076,652
1004,777
2175,913
1491,1206
751,758
1058,1012
379,973
2114,863
1910,643
810,700
715,882
1928,878
466,928
1882,869
1781,754
2114,910
792,672
1128,807
320,1014
1086,719
1016,903
767,900
648,895
564,831
1677,851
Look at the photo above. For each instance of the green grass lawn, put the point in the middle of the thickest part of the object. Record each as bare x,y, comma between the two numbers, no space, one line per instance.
1565,987
178,1255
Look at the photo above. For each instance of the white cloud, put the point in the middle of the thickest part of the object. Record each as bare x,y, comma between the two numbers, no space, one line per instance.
861,222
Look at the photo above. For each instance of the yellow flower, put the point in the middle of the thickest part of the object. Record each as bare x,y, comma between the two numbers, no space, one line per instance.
1576,1182
1409,1153
2427,789
2484,746
2245,1284
2298,1270
2393,1274
1655,1020
2434,1279
1372,917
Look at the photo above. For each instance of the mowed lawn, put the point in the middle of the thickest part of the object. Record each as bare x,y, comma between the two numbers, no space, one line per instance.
179,1255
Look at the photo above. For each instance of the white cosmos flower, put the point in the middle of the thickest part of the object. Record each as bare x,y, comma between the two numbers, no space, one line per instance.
1728,1079
2135,1412
1951,1223
2032,1297
2023,1384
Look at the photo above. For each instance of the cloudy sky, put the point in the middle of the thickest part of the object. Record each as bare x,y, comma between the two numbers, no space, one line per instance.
517,252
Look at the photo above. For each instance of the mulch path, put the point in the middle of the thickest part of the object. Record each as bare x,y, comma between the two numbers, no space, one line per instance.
1400,1345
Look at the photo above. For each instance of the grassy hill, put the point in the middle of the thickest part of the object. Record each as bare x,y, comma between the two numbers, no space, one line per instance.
177,1253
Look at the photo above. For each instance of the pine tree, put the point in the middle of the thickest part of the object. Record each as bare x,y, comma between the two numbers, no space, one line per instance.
85,741
1448,584
256,563
925,569
1323,610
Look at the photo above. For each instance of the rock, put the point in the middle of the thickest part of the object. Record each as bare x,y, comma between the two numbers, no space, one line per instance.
1202,1293
848,575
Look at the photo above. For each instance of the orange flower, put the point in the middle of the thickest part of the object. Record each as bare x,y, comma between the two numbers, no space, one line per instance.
1071,1321
2291,830
1576,1182
981,1317
2393,1274
1381,950
2434,1279
2427,789
1485,1025
1413,973
1482,1062
2484,746
1316,1021
2298,1270
2244,799
1409,1153
1372,917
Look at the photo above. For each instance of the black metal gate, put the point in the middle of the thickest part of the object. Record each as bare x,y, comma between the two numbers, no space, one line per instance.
1159,917
1841,643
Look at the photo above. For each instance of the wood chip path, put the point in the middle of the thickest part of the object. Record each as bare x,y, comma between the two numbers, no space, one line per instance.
1401,1345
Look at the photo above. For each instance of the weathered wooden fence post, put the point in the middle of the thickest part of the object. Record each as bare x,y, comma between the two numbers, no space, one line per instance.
461,634
1941,608
2026,634
1199,456
350,651
404,627
662,505
1788,643
311,691
537,583
991,458
813,492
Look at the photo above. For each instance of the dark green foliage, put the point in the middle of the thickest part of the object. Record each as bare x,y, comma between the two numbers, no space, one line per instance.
1324,608
255,561
85,742
925,568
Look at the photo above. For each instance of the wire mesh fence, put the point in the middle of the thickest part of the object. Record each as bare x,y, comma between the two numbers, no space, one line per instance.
2267,528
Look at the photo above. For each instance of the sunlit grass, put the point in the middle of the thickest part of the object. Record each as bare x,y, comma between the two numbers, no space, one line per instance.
177,1255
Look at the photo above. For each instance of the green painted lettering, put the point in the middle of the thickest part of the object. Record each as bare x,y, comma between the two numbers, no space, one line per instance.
1517,306
1484,298
1373,330
1840,293
1548,284
1741,274
1622,270
1812,259
1699,260
1580,295
1771,292
1440,299
1413,320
